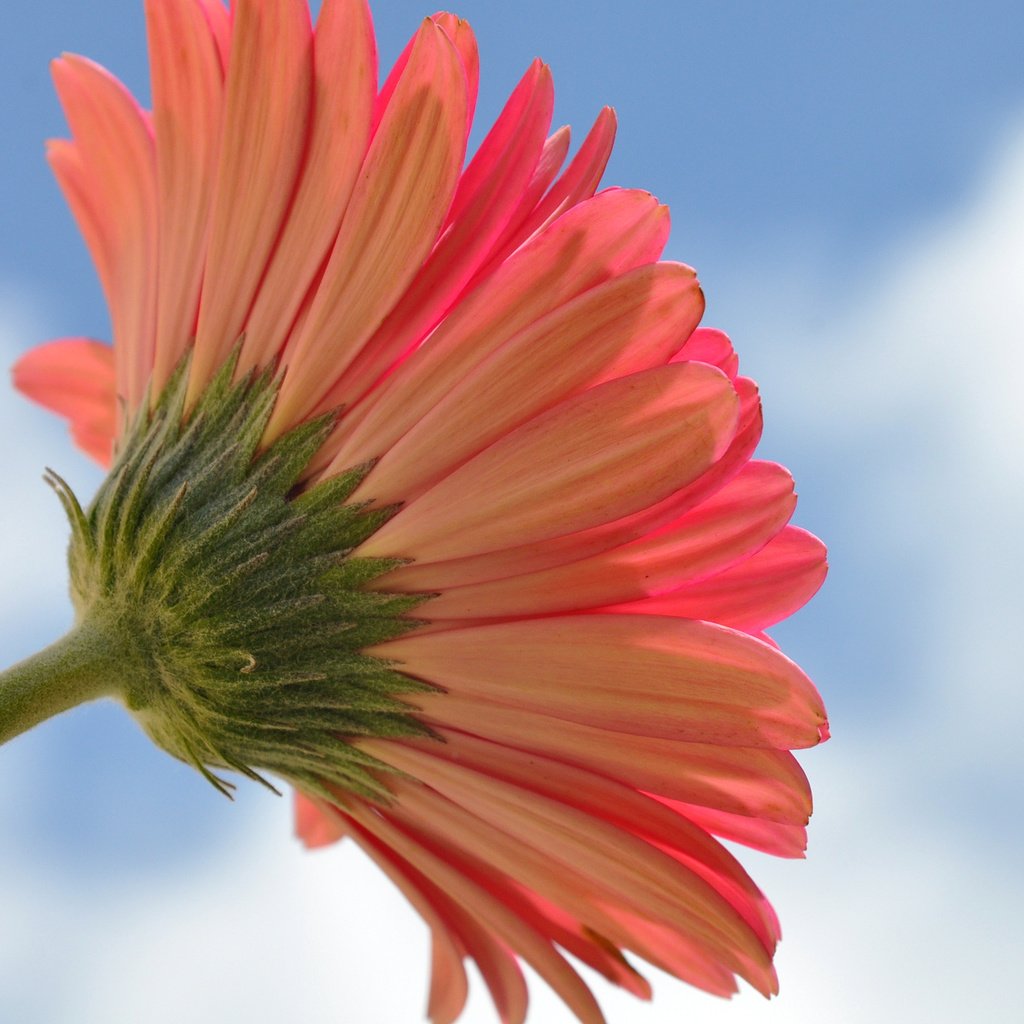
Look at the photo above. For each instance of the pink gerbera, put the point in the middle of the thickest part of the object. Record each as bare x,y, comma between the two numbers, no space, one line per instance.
429,497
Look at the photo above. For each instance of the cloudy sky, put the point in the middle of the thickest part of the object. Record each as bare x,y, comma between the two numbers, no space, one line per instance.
849,181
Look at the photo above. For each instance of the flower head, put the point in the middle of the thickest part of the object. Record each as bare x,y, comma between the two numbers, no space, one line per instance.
428,497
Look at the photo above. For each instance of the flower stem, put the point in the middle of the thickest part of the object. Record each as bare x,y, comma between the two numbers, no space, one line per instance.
79,667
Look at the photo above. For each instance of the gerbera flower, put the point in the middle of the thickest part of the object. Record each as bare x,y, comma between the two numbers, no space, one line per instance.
428,497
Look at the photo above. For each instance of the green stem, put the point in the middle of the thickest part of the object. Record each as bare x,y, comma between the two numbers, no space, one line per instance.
79,667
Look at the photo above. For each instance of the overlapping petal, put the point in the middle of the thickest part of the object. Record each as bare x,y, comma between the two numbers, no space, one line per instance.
561,459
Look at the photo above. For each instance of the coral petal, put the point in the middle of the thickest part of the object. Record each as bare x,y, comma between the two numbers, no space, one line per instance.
758,592
403,192
731,525
344,90
631,323
188,95
598,240
266,115
74,377
606,453
646,675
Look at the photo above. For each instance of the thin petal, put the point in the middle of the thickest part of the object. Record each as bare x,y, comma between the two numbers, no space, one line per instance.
758,592
631,323
638,674
114,176
579,182
403,193
603,799
619,447
344,90
264,133
486,197
749,781
778,838
430,577
74,377
545,839
188,96
508,925
731,525
593,243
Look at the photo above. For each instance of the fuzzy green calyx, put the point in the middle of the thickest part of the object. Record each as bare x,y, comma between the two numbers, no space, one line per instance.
239,612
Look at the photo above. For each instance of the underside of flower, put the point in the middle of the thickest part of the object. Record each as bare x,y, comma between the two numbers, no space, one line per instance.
501,619
234,602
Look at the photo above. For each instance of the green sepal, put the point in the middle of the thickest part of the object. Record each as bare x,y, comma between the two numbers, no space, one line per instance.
240,610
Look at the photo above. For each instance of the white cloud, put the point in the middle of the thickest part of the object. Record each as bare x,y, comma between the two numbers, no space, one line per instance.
905,908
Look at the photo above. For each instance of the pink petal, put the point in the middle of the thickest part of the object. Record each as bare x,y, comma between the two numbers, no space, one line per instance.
595,457
441,576
777,838
188,93
579,182
486,196
109,177
758,592
476,900
731,525
637,674
751,781
315,824
604,800
403,192
542,840
449,986
344,91
595,242
630,323
263,139
74,377
707,345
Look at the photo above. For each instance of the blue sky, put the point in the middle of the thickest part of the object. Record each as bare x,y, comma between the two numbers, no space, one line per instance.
849,181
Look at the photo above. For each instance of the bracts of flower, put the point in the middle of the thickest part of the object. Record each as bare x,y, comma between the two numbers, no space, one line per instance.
428,497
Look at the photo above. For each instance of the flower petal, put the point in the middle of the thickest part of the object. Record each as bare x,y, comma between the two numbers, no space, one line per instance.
440,576
758,592
607,236
631,323
731,525
595,457
775,837
109,177
344,91
539,841
188,96
476,900
263,139
74,377
636,674
402,195
750,781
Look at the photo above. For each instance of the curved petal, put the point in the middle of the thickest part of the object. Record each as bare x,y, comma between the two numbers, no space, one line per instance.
485,199
596,241
732,524
188,97
401,198
631,323
109,177
74,377
758,592
636,674
606,453
344,90
263,139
